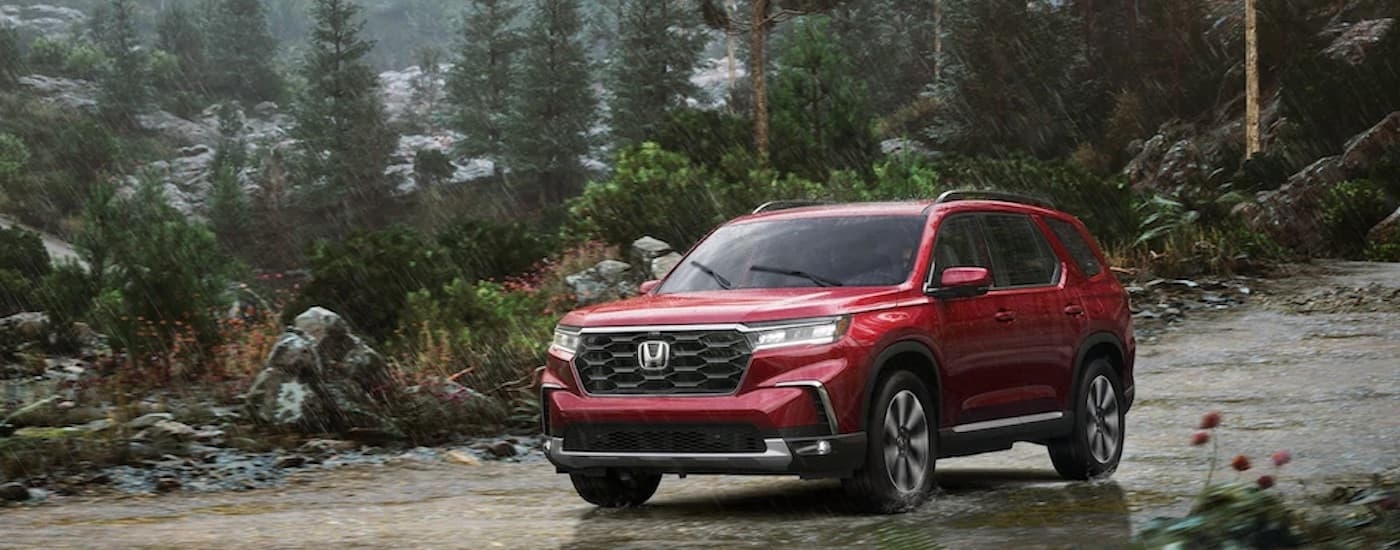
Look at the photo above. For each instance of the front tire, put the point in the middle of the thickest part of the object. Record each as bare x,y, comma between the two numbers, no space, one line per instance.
901,450
1095,446
616,489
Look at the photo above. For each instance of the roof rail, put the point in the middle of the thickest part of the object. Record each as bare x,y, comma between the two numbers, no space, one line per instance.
772,206
972,194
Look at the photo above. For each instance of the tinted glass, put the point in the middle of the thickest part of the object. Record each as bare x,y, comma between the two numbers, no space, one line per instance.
810,252
1020,255
1078,248
959,244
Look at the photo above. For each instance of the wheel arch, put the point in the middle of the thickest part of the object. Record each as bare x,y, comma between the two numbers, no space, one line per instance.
910,355
1098,345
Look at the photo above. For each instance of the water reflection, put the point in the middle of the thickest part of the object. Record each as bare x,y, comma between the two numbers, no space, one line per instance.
976,508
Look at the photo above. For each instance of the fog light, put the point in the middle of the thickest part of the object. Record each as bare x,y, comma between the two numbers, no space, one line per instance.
547,443
820,448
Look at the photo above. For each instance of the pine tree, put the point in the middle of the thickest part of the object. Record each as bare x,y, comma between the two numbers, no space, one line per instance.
242,51
11,62
123,92
481,82
554,105
820,118
652,62
345,140
891,47
1013,79
178,32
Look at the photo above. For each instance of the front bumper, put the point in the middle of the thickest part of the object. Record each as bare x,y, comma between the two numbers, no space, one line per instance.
814,457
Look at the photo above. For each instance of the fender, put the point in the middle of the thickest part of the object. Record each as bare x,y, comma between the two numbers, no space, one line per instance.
1079,356
878,367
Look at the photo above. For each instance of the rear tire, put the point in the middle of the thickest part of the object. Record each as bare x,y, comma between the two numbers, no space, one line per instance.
901,450
1095,445
616,489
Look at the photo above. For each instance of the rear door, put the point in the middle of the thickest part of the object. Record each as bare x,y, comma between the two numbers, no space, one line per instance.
1026,377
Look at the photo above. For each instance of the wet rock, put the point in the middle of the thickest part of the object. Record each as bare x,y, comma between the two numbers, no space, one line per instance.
14,492
167,430
328,446
607,281
1365,149
148,420
71,94
462,457
1355,41
1387,231
24,327
167,484
502,449
1291,214
660,267
40,19
290,461
321,378
646,249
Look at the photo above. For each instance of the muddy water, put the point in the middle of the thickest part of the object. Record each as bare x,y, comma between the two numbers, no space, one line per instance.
1324,384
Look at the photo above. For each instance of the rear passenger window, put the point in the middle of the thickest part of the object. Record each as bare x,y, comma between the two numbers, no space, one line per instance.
1020,254
1078,248
959,244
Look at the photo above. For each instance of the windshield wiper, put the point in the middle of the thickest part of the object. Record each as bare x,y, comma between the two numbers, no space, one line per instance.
723,282
818,279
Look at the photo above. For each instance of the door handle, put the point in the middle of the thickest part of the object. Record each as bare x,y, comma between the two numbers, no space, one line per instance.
1074,310
1005,316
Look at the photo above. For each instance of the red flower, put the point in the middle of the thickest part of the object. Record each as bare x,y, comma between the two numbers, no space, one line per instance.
1266,481
1210,420
1282,457
1240,463
1200,438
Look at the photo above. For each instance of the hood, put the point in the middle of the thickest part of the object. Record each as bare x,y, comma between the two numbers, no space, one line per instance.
733,306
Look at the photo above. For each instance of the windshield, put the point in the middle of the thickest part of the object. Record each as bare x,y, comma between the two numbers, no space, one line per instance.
806,252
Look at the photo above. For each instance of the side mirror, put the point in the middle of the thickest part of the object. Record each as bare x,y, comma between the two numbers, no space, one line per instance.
649,286
963,282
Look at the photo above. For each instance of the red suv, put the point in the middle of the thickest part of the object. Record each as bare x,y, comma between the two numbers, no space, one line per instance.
855,341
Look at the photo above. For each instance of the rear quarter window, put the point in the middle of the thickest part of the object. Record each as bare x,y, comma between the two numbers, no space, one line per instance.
1079,249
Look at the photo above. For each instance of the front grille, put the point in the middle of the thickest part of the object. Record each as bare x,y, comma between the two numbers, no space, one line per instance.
700,362
651,438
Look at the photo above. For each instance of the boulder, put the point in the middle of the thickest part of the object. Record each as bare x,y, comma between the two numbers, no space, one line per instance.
1290,214
40,19
321,378
607,281
1355,41
660,267
28,326
646,249
1365,149
1388,231
14,492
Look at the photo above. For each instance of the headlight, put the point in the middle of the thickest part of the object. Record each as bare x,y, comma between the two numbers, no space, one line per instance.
565,338
796,333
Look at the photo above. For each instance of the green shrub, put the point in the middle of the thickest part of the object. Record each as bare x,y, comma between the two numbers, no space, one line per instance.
1349,211
666,195
23,262
163,278
705,137
47,55
13,156
368,277
66,294
484,249
1333,100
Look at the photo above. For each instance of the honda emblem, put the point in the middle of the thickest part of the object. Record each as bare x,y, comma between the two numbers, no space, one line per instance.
654,355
